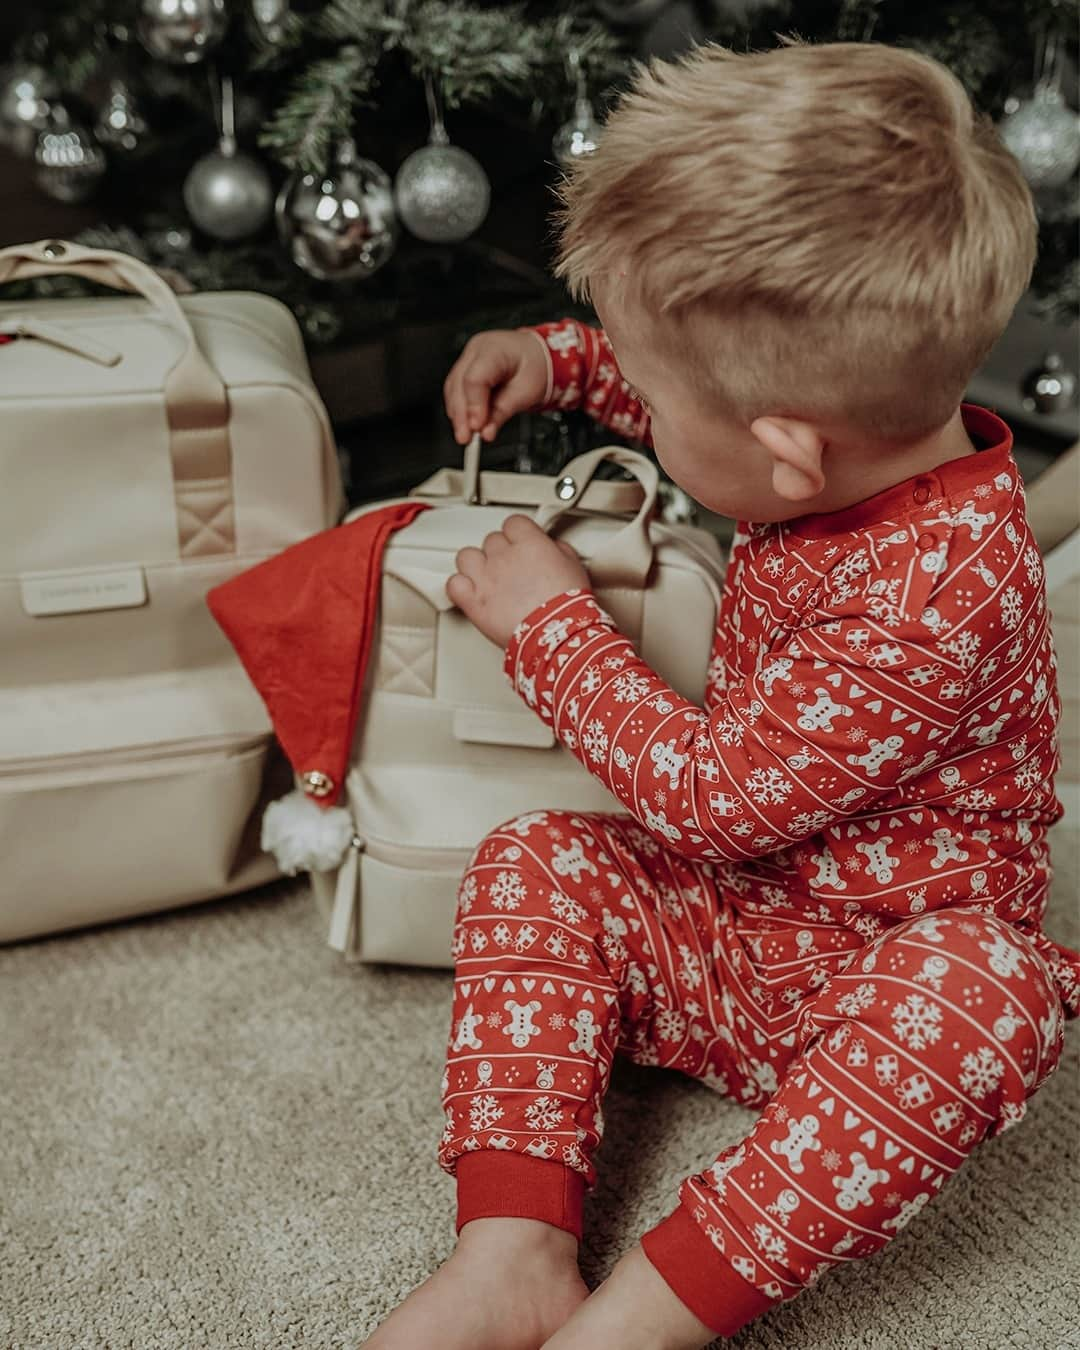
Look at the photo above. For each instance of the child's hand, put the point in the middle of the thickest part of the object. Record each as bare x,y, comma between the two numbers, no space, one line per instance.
498,373
518,568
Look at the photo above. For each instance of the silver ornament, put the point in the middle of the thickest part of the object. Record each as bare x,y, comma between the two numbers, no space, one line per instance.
181,31
1044,135
1050,388
120,125
26,95
271,17
442,193
338,225
227,193
581,135
70,163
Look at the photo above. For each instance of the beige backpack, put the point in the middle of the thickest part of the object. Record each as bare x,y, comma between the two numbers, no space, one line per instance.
150,448
445,749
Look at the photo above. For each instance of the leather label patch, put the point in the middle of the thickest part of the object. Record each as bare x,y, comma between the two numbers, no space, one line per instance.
46,593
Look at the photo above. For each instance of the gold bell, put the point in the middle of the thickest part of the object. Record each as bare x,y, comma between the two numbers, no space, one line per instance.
317,784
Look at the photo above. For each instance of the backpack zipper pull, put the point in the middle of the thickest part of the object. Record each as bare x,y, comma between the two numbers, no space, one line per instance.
344,911
22,326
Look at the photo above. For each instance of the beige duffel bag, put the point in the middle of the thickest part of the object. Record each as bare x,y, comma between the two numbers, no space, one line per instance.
445,750
150,448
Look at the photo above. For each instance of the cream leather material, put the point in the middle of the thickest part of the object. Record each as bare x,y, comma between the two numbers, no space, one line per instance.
150,447
444,748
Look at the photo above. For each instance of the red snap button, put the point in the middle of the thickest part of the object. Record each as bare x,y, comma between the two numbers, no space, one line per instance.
922,493
925,542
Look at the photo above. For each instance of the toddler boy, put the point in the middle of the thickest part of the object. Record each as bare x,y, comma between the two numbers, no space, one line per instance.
825,896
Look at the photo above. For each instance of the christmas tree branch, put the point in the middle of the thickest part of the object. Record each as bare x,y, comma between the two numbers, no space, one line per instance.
318,109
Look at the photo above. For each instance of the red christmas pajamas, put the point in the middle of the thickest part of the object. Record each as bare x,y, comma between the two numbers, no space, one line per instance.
825,901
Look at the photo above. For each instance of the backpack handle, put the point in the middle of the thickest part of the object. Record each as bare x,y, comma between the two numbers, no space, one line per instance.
624,561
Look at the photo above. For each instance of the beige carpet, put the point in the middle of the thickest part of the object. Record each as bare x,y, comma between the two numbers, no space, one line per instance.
213,1134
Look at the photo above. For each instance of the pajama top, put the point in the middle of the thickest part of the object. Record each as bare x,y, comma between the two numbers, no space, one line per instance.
879,732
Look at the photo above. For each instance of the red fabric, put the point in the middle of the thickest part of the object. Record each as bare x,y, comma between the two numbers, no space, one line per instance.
301,623
891,661
493,1184
710,1288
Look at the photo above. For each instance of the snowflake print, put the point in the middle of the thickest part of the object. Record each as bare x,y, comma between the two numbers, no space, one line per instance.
768,787
809,822
851,863
1033,563
670,1024
494,1019
857,735
978,799
484,1111
1011,607
467,894
848,568
917,1022
594,740
729,732
690,970
557,1021
630,688
857,999
507,890
544,1113
1029,775
965,647
831,1160
980,1072
566,908
770,1242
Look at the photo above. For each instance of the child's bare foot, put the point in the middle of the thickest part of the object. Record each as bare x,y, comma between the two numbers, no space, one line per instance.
508,1285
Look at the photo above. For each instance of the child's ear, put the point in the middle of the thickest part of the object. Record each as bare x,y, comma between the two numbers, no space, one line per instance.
797,451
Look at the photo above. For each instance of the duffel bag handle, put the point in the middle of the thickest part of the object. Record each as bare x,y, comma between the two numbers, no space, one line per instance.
196,402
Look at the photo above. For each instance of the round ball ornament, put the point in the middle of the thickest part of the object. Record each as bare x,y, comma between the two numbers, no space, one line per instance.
1050,388
1044,135
442,193
182,32
339,225
70,163
228,194
26,95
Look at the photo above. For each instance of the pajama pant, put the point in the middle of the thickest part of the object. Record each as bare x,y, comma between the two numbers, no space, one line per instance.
879,1065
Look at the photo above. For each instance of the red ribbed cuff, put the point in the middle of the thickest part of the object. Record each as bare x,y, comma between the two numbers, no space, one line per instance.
699,1275
493,1184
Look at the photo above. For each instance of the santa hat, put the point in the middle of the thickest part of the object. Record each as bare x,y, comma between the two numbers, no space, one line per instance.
302,623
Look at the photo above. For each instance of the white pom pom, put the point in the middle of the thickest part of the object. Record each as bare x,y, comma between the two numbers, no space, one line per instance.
305,837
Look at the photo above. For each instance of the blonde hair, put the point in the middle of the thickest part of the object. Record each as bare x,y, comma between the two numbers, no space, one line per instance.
826,230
